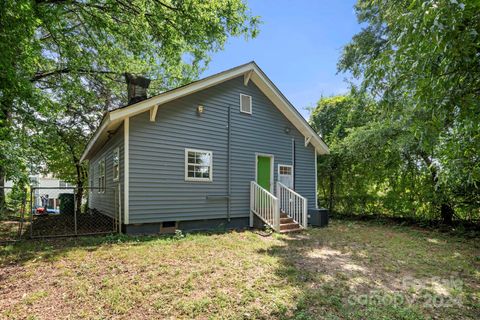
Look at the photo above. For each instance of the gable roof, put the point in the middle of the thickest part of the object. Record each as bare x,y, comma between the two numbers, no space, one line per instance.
112,120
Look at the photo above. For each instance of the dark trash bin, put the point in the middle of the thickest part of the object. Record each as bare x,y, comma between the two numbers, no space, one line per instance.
318,217
67,203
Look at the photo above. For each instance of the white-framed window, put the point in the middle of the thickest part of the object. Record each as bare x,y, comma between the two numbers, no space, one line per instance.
101,176
285,175
245,103
116,164
198,165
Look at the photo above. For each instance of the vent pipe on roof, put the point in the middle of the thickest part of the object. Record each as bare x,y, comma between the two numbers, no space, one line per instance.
137,88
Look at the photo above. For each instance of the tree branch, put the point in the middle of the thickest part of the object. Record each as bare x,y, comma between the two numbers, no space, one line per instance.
44,74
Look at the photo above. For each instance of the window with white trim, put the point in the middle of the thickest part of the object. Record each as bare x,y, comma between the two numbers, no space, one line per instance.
101,176
245,103
285,175
116,164
198,165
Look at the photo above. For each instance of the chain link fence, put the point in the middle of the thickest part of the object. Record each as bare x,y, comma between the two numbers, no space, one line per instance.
57,212
44,212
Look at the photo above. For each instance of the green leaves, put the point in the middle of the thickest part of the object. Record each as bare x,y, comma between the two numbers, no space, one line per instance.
63,62
420,61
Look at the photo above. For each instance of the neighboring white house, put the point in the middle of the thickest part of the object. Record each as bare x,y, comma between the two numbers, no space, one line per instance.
46,185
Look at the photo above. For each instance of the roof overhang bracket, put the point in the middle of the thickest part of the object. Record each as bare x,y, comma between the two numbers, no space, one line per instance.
307,140
246,77
153,112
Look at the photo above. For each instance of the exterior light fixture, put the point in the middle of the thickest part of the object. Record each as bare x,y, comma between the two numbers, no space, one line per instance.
200,109
287,130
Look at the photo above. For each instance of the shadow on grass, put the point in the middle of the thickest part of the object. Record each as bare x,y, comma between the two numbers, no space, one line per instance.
25,250
331,283
20,252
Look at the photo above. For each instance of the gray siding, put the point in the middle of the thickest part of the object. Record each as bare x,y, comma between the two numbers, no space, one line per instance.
105,202
158,190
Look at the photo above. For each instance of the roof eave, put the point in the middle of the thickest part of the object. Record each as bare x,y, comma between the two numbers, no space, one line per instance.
308,131
100,130
258,76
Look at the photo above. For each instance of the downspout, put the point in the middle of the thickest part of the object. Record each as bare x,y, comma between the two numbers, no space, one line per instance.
229,162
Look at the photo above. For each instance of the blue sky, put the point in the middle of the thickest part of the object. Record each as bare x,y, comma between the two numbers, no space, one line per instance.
298,47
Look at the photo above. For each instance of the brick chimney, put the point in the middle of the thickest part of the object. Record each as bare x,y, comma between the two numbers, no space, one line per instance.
137,88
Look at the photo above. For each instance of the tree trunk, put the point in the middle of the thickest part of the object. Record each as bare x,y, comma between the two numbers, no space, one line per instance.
331,188
441,201
2,185
331,193
79,193
447,212
4,135
78,198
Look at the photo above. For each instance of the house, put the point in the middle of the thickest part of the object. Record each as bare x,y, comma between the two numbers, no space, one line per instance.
45,185
226,151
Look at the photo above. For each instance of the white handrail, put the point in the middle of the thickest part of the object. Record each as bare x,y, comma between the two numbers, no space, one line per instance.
265,205
293,204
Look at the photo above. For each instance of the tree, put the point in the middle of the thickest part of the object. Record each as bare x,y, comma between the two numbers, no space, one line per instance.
372,167
330,120
347,173
420,61
60,140
58,55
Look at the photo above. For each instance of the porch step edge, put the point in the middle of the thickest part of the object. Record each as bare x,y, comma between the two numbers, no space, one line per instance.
288,226
286,220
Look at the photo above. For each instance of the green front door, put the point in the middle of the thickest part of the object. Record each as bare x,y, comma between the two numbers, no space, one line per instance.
263,172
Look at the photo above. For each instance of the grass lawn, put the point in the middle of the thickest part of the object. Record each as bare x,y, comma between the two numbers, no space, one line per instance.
350,270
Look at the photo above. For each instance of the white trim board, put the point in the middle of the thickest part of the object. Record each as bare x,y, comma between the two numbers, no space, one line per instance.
126,166
113,119
316,180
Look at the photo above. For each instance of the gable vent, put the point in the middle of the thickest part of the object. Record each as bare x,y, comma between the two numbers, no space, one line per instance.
245,103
